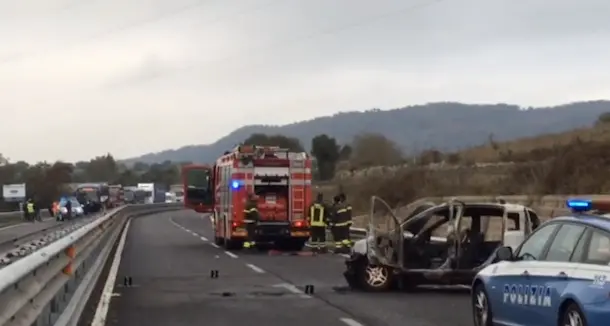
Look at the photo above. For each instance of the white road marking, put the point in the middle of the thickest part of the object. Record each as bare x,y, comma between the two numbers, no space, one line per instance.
102,308
215,245
292,288
230,254
350,322
203,238
255,268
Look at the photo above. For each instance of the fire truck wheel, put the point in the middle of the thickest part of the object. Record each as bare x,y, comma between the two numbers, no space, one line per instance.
219,241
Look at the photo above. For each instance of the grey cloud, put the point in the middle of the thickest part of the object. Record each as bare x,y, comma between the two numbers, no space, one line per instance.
145,65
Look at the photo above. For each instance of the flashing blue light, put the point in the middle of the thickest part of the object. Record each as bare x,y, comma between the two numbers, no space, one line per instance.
579,205
235,184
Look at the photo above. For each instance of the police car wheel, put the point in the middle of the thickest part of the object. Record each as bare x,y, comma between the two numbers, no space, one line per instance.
572,316
376,277
481,310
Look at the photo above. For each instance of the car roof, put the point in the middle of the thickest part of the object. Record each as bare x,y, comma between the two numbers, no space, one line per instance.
598,221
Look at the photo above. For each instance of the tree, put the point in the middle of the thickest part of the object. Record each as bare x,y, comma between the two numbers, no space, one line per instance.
275,140
374,150
603,118
326,152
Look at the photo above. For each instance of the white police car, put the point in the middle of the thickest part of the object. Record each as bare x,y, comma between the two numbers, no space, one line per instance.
560,274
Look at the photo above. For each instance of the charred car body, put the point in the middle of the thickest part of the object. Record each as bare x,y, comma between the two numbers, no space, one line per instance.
404,253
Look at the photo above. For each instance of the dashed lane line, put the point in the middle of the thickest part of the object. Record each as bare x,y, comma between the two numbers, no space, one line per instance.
256,268
232,255
350,322
289,287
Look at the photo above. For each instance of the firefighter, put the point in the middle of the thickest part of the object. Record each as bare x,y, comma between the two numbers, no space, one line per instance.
337,225
251,218
348,208
318,219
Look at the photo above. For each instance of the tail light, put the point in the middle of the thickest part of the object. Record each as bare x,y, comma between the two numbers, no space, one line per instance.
299,224
235,224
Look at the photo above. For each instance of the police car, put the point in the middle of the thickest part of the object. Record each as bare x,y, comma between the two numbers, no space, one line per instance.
559,275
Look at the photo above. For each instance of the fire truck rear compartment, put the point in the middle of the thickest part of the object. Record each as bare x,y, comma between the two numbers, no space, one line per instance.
276,225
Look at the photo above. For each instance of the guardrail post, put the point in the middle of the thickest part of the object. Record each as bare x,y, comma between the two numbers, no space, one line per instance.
71,253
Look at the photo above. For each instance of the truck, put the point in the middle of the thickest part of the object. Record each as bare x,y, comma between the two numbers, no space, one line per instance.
177,192
115,195
280,179
149,192
93,196
198,188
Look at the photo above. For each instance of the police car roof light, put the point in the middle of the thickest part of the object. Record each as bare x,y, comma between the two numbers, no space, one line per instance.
579,205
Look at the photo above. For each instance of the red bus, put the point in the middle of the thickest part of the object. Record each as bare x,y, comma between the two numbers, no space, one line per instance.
198,184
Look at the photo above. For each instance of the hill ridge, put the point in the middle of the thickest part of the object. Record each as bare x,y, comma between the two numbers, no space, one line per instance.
440,125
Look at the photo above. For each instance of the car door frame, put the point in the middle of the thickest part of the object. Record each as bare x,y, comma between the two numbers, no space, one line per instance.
557,273
391,252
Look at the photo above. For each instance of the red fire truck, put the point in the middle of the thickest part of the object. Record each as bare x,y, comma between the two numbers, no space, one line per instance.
281,179
198,184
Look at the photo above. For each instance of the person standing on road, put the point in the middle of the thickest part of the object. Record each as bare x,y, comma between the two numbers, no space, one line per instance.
338,225
30,210
251,218
318,220
349,243
68,207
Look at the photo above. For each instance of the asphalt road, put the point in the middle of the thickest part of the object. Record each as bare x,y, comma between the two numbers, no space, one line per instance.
8,233
169,257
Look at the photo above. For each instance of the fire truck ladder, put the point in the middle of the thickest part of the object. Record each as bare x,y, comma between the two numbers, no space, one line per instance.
297,187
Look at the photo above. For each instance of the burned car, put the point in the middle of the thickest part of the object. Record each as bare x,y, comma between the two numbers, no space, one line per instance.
402,254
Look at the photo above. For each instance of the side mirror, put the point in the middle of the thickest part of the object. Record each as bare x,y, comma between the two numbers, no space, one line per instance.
504,254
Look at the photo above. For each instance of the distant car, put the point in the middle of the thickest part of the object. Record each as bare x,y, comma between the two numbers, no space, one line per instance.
77,208
406,254
560,274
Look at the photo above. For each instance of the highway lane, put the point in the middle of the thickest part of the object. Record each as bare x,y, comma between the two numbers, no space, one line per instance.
431,307
11,232
170,269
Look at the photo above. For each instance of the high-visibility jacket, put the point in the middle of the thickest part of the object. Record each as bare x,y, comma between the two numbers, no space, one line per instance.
318,214
30,208
251,212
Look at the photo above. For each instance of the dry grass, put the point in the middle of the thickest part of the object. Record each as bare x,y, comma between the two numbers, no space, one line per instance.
574,162
519,147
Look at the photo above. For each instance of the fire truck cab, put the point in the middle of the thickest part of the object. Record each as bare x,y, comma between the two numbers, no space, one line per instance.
282,182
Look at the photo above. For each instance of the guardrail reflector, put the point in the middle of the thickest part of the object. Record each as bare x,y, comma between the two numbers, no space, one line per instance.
71,253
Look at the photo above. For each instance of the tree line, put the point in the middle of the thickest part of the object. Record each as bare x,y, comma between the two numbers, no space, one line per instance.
363,151
47,181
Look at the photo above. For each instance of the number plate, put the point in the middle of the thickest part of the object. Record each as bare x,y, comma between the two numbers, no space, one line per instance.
299,234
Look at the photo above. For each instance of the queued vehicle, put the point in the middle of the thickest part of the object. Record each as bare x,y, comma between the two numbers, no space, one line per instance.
560,274
198,188
93,196
77,208
403,254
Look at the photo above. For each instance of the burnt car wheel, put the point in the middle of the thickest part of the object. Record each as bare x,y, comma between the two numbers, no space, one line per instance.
481,310
376,278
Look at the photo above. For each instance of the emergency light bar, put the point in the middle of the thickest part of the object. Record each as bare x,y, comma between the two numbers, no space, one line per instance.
596,206
579,205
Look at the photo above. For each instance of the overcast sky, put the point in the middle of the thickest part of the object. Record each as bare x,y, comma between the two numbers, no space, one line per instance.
79,78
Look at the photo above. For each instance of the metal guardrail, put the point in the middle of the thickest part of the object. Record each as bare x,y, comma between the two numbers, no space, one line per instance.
51,285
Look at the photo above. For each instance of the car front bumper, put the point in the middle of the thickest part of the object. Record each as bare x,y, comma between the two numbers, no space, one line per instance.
353,266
